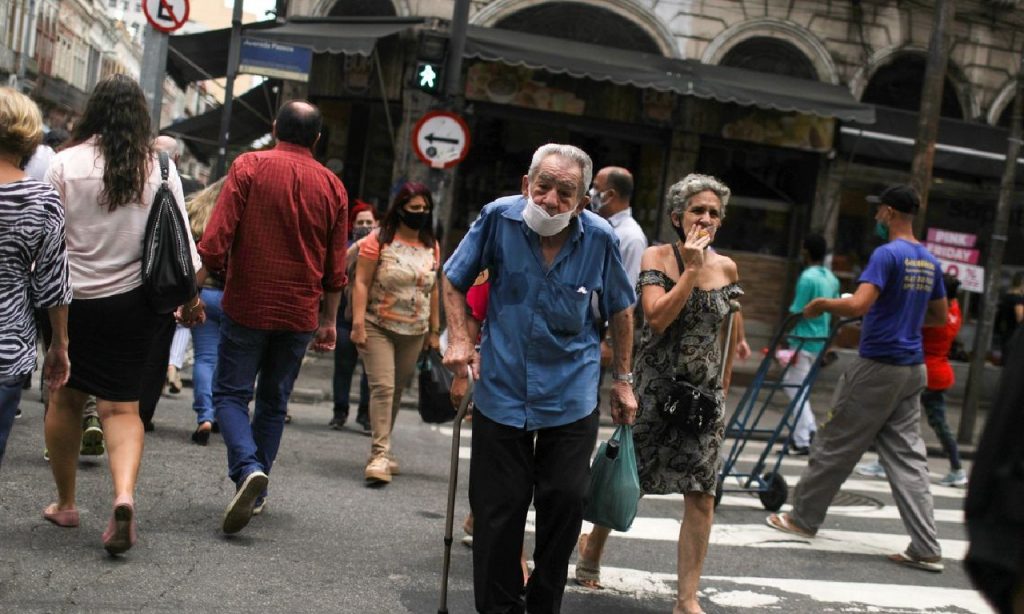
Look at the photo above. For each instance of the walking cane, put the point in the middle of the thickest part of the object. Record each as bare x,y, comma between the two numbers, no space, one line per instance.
453,480
734,308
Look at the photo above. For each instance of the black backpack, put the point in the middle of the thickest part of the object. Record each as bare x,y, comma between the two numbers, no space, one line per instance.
168,279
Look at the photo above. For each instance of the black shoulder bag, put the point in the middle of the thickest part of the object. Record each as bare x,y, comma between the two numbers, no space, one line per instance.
690,407
168,279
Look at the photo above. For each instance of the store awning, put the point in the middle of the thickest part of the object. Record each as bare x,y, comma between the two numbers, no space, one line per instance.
684,77
969,148
195,57
252,114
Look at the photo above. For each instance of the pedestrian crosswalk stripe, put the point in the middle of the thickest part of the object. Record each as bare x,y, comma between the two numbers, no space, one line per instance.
749,593
887,512
763,536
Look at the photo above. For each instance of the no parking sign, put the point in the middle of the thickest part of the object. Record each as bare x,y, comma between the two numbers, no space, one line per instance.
166,15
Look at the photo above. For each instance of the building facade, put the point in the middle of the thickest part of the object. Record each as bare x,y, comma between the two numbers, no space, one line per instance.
781,117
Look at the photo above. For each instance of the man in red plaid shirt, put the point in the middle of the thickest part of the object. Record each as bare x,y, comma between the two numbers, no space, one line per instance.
278,233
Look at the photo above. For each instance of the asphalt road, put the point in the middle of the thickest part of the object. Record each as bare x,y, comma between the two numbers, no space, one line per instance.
327,543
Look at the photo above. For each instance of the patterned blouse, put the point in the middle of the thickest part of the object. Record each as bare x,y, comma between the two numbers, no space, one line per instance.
33,268
399,296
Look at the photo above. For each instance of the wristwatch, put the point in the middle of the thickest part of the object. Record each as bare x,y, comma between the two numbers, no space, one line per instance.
623,377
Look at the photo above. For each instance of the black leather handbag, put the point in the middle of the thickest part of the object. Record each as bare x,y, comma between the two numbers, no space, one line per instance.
435,380
689,407
168,279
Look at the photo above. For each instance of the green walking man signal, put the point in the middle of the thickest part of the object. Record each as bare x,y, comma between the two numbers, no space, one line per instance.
428,77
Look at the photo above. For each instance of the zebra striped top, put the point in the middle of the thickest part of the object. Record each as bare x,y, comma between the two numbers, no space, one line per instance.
33,268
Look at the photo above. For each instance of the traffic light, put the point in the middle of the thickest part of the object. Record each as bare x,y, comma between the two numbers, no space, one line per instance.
430,56
428,77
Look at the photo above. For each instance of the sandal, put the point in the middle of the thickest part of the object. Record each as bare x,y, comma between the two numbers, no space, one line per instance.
784,523
588,573
932,564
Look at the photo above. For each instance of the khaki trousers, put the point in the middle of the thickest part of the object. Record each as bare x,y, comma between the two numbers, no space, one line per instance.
389,360
878,404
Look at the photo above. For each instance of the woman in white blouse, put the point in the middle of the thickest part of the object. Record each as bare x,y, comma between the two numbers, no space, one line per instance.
107,180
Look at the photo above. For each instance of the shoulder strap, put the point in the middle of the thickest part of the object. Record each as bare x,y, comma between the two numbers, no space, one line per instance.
164,166
679,258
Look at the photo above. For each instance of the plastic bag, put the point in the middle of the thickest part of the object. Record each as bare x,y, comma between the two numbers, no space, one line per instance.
614,490
435,382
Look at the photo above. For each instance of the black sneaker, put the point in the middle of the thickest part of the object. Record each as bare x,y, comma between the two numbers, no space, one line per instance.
337,422
799,450
17,413
239,511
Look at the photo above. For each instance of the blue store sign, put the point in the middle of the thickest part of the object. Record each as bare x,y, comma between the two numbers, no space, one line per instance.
277,60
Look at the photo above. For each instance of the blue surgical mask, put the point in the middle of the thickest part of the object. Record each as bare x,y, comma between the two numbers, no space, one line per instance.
882,231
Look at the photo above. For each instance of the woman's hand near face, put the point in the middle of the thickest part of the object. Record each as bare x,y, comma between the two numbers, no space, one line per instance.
697,240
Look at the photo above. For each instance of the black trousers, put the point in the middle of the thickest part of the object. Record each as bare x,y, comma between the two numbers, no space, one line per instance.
510,467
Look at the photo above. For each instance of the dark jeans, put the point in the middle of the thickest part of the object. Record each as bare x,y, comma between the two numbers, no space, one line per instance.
10,396
345,359
934,403
509,467
245,353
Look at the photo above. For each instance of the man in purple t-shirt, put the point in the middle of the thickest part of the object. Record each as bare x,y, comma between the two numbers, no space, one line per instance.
878,398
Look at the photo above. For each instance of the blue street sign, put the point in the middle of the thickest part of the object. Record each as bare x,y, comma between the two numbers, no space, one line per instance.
278,60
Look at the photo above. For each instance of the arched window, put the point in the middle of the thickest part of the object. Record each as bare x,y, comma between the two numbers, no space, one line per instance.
580,22
363,8
898,84
771,55
1004,118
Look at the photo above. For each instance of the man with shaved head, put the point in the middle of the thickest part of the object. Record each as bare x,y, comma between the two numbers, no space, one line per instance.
283,217
610,196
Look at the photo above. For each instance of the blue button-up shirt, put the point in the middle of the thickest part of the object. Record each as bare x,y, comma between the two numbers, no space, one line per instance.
540,352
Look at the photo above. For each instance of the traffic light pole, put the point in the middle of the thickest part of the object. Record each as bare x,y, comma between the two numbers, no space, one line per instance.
456,46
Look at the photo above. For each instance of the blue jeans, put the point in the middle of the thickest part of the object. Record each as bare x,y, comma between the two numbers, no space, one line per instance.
205,341
345,359
10,396
245,353
934,403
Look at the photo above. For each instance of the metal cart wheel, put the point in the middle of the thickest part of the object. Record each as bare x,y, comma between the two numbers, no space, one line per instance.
718,491
776,493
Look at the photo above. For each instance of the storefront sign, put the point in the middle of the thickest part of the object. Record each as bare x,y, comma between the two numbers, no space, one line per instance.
949,237
971,277
951,252
165,15
516,86
782,130
441,139
278,60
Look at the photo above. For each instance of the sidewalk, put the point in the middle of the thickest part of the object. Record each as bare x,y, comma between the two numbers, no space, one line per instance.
313,386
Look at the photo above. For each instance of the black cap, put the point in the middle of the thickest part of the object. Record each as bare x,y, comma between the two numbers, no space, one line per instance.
900,197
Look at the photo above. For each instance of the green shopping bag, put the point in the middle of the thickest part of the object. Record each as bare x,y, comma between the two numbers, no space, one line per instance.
614,490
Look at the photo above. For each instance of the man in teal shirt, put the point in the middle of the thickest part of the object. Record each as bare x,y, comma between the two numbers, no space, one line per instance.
815,281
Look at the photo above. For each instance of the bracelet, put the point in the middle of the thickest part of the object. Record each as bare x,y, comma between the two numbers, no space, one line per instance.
435,331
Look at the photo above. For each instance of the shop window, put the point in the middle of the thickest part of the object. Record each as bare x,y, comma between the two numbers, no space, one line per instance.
772,189
898,84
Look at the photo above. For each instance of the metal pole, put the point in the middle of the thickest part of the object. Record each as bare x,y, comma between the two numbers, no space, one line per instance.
931,104
152,72
26,37
990,299
456,46
229,91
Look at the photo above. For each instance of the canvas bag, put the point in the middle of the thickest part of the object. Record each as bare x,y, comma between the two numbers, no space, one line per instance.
168,279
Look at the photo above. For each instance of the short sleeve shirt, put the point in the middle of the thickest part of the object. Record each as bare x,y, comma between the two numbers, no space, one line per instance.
908,277
540,351
815,282
405,277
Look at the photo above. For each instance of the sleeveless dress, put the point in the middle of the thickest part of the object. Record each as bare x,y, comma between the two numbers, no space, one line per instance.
669,459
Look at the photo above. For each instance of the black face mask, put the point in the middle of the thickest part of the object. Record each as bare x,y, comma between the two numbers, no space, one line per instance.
361,231
416,221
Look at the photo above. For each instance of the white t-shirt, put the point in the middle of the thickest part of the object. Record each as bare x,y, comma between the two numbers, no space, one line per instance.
105,247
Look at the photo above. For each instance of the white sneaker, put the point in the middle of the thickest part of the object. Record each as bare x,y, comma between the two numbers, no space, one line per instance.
871,470
954,478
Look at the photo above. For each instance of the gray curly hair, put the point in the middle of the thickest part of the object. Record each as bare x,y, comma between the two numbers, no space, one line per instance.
681,192
569,152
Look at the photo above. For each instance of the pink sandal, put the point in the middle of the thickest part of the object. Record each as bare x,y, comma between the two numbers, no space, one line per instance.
120,535
62,518
784,523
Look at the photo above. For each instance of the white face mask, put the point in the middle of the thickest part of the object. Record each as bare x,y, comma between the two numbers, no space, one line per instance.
596,202
538,220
